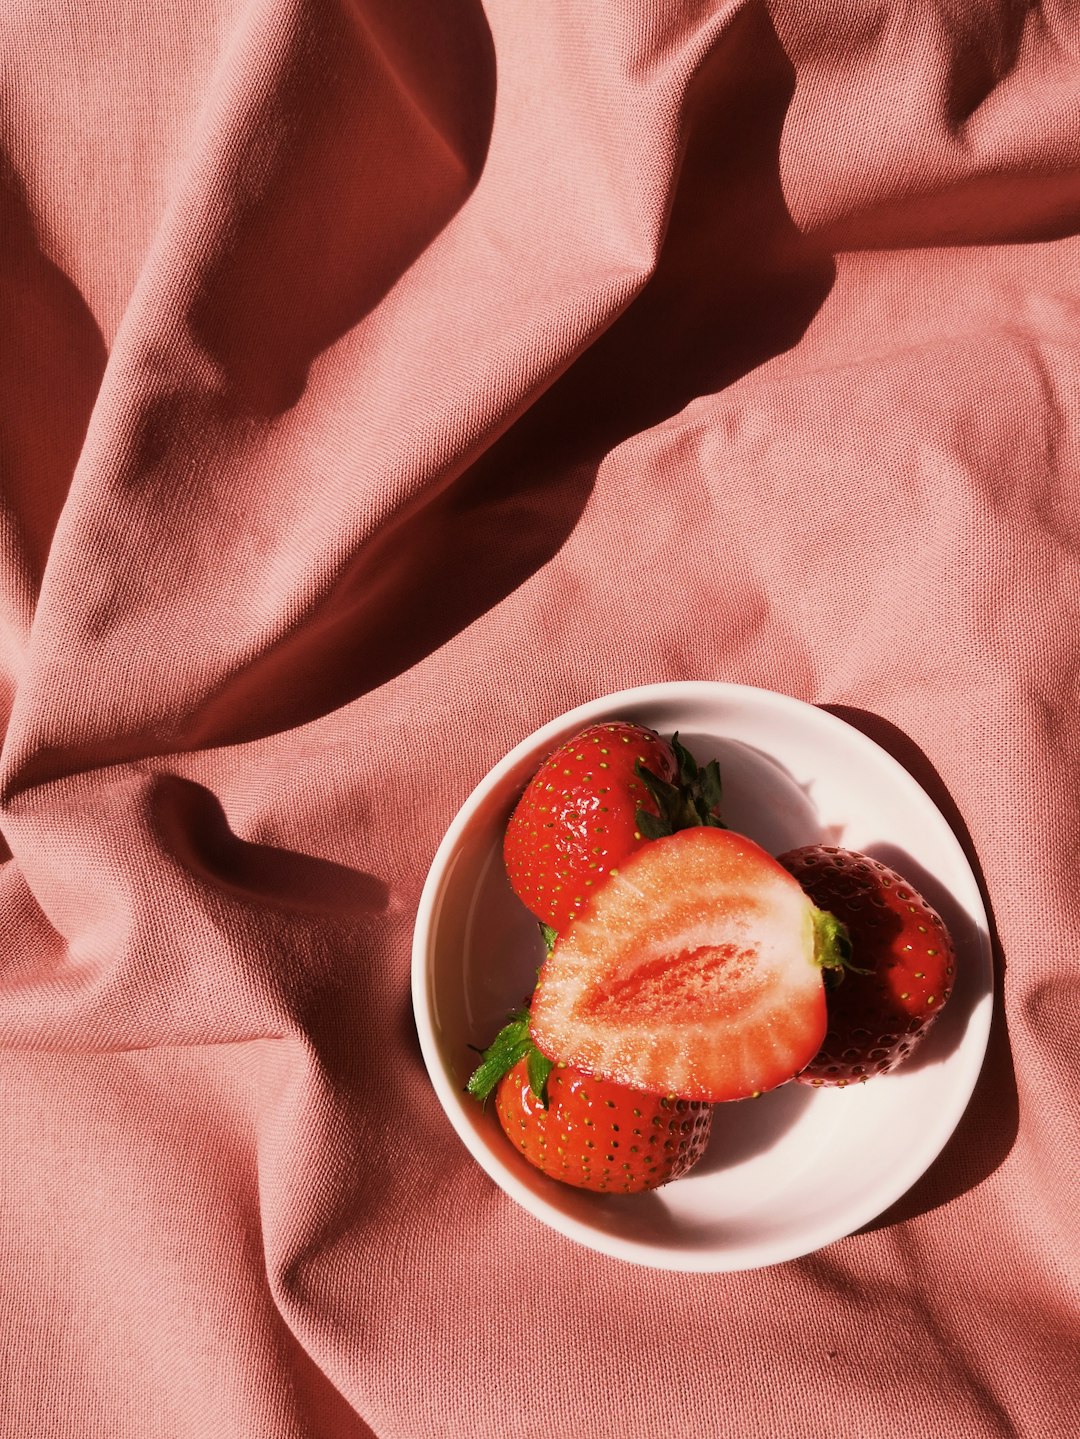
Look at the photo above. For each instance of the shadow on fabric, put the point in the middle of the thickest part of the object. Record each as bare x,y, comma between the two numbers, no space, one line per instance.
735,284
191,819
314,177
986,1133
52,358
997,204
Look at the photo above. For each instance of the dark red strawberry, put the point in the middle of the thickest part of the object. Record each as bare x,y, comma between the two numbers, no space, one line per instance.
877,1017
695,972
585,1131
591,804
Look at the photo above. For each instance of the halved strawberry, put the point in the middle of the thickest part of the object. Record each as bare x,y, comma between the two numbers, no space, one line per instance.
696,971
595,800
902,963
585,1131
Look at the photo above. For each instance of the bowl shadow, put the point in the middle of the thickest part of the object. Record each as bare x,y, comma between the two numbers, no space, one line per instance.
988,1129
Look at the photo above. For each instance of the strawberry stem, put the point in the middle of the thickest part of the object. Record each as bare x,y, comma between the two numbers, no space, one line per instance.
832,944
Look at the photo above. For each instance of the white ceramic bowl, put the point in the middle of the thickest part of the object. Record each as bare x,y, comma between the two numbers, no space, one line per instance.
799,1167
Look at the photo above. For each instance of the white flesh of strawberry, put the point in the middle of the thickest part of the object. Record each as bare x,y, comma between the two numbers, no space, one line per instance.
691,973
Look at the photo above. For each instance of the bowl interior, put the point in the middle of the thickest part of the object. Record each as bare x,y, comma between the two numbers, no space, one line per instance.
793,1169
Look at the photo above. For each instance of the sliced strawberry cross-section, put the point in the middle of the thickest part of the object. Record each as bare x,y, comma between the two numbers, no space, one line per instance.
696,972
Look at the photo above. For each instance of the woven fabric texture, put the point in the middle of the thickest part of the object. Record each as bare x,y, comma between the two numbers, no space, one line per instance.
378,380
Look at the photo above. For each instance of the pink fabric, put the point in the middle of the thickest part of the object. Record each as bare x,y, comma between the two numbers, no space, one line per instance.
378,379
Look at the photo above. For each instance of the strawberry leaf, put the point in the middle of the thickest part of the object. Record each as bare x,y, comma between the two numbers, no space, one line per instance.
711,792
701,788
688,770
667,796
538,1067
651,825
549,936
694,800
510,1044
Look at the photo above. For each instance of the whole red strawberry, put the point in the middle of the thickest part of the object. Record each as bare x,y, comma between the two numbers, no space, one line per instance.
591,804
584,1131
902,964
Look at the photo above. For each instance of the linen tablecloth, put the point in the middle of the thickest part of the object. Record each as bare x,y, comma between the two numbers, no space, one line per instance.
379,379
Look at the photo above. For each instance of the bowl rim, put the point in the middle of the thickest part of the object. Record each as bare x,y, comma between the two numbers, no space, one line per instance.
535,746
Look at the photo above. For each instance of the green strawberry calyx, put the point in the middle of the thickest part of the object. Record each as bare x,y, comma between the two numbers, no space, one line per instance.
832,947
692,799
512,1044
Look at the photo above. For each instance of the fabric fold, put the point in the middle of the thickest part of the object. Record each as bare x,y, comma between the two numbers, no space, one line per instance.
378,381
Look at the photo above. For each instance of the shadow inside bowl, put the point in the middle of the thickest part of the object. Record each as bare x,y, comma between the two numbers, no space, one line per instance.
761,799
749,1127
